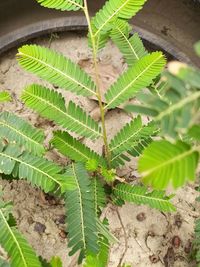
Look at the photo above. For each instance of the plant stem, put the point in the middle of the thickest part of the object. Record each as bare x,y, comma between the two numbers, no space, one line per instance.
98,93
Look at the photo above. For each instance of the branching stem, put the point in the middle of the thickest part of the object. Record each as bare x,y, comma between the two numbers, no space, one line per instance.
97,78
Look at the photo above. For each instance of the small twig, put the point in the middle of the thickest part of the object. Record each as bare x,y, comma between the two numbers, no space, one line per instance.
125,238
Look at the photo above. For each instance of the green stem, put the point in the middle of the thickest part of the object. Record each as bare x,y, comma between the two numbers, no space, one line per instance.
98,93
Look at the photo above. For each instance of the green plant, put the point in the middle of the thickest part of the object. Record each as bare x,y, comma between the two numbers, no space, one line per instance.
172,102
4,96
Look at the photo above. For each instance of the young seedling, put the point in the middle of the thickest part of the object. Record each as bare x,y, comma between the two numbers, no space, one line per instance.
170,100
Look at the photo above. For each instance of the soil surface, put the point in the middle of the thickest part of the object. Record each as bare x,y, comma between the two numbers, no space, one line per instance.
146,237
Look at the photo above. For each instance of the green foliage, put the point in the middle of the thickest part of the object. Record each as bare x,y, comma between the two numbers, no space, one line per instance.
63,5
117,201
130,136
175,107
90,181
56,262
194,132
100,259
19,251
16,130
135,79
98,194
113,9
189,75
5,97
132,47
51,105
163,162
141,196
74,149
109,175
56,69
91,165
81,216
197,48
38,171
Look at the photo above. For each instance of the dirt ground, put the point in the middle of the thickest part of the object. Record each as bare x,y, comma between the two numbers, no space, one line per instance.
146,237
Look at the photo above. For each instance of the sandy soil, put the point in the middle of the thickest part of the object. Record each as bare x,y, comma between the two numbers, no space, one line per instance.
147,237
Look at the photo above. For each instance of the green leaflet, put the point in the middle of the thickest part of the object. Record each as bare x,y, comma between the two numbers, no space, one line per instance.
51,105
38,171
141,196
56,69
141,110
132,138
81,216
99,194
16,130
174,108
56,262
135,79
63,5
101,39
162,163
123,9
100,259
197,48
135,151
130,135
5,97
19,251
132,47
75,150
194,132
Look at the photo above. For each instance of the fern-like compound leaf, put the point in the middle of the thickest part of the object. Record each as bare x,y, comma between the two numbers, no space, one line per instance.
74,149
132,47
113,9
19,251
100,40
63,5
141,196
16,130
100,259
81,216
130,136
5,97
174,107
38,171
163,162
135,79
98,193
51,105
56,69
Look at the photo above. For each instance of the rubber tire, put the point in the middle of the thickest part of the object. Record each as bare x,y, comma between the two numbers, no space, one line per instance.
172,26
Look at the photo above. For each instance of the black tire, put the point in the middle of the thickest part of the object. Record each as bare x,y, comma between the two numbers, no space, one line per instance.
172,26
